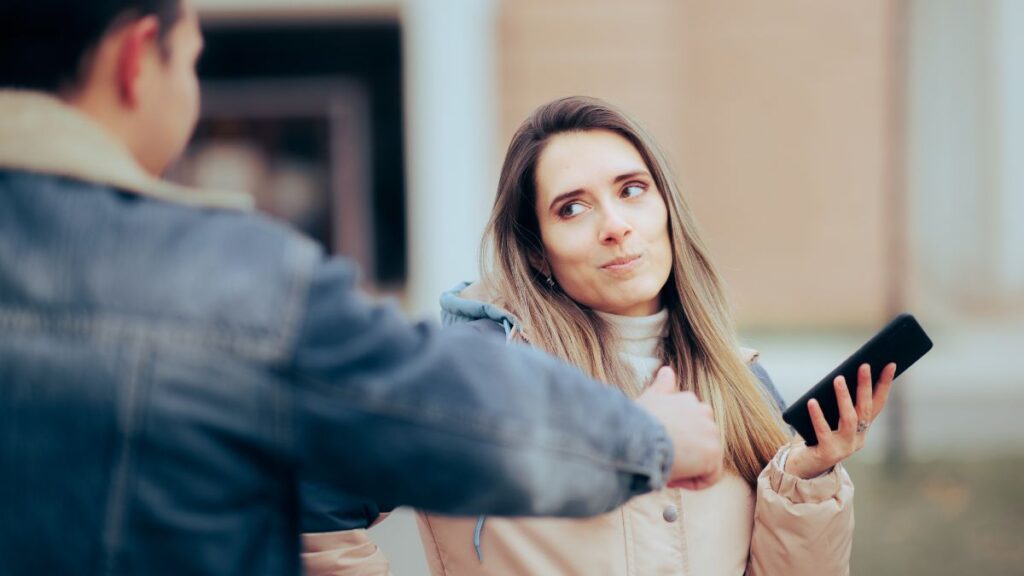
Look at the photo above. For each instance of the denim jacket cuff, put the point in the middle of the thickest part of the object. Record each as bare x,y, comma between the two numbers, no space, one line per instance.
652,451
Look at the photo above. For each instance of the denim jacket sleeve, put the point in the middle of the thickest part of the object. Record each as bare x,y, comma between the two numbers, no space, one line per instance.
456,421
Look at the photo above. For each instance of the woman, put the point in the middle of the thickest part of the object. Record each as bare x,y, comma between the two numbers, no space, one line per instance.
595,257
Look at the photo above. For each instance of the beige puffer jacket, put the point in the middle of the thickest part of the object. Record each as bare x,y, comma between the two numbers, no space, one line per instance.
796,527
787,526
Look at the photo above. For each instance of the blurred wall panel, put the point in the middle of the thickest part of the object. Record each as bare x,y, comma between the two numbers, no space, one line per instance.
784,109
626,52
966,133
778,118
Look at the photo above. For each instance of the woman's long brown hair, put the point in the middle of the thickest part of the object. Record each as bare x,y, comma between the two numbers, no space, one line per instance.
701,345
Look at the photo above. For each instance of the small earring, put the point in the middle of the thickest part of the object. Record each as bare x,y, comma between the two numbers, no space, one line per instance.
549,281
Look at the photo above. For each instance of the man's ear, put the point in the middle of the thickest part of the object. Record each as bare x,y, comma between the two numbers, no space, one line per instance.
138,42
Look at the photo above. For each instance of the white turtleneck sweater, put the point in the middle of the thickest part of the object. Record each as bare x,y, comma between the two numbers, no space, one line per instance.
639,341
717,521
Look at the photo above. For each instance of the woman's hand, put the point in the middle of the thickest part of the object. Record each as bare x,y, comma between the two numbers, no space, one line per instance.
835,446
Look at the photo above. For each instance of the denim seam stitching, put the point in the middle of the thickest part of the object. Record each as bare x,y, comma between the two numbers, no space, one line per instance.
112,326
297,298
116,505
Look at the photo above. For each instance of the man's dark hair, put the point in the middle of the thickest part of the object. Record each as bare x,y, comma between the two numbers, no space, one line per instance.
47,44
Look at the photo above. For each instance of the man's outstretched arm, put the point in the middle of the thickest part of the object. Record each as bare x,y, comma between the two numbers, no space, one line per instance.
457,421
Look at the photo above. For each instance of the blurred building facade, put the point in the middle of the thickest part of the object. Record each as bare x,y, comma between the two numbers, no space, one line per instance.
837,157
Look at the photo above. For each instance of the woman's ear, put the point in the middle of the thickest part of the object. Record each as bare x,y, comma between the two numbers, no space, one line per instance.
539,263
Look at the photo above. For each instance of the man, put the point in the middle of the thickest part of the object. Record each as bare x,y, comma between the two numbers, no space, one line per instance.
172,366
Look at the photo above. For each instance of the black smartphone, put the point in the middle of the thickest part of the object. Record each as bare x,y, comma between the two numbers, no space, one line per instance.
902,341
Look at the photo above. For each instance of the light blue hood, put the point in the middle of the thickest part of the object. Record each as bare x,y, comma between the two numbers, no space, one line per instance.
456,309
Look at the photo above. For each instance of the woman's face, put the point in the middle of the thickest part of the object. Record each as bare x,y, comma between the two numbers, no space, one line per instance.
603,223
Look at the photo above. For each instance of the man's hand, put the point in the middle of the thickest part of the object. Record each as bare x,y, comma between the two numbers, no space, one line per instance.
691,426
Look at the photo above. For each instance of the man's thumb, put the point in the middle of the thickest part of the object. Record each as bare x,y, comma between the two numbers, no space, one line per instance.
664,381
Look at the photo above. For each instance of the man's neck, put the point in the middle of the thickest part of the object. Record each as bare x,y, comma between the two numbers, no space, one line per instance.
98,106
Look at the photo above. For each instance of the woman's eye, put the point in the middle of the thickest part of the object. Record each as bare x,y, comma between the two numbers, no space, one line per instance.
632,190
571,209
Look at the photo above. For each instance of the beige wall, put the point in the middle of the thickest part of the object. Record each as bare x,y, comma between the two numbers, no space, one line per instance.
778,118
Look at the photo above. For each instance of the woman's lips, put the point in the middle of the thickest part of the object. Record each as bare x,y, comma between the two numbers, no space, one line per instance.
623,264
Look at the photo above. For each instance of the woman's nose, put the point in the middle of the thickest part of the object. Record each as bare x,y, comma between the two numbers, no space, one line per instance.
615,228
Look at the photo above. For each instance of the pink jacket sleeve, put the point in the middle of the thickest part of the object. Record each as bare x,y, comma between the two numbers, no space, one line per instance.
347,553
802,526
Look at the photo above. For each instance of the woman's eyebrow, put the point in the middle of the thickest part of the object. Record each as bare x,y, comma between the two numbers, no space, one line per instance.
629,175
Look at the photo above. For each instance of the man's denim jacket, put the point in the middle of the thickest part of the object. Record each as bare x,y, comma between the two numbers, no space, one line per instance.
170,374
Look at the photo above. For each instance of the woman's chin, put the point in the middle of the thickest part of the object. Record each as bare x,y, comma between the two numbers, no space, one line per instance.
633,303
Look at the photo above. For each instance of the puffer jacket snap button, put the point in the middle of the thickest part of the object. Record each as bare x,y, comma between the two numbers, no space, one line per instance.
671,513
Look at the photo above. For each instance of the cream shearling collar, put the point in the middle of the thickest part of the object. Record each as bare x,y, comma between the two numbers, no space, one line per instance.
39,133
